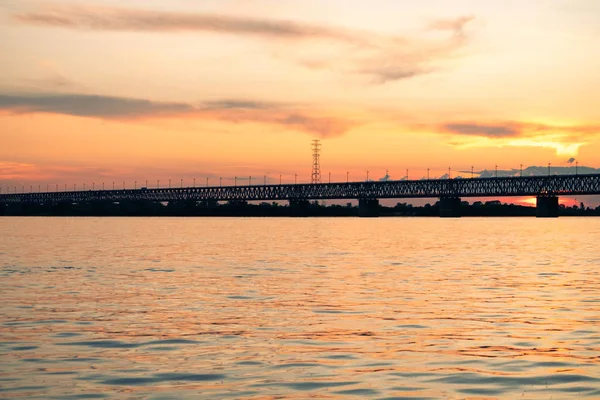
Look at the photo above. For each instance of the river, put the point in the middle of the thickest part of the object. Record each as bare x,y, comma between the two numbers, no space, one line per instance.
265,308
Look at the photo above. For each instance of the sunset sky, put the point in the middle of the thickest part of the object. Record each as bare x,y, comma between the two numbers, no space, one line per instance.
100,91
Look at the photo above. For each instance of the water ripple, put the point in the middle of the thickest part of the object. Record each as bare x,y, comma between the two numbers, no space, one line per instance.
299,308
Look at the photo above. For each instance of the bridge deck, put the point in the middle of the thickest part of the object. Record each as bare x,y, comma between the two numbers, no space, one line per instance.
435,188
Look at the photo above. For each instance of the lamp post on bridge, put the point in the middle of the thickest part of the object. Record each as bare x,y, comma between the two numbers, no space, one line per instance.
347,176
113,185
521,170
194,182
169,184
235,181
406,174
496,170
576,167
427,173
250,181
295,179
549,164
134,185
449,173
182,183
157,183
367,175
84,186
330,177
102,185
220,181
93,186
265,180
123,185
472,171
206,181
279,179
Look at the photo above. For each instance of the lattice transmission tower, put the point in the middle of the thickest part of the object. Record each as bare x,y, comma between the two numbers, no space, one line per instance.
316,170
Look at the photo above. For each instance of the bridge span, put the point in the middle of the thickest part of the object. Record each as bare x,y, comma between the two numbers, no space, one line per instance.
547,189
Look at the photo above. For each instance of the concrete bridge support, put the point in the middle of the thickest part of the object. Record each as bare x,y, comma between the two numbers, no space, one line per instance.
299,207
547,207
368,208
450,207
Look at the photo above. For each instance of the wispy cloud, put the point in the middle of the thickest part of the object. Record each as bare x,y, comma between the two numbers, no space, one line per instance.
13,170
126,19
487,130
89,105
231,110
565,140
391,58
384,58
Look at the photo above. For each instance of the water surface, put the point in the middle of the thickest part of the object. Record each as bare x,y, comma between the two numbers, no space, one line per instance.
323,308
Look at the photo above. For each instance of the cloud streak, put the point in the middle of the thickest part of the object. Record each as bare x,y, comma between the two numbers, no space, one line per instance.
384,58
565,140
125,19
82,105
230,110
487,130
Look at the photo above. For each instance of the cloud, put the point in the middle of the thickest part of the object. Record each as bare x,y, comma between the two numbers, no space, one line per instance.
456,25
234,104
392,58
14,170
89,105
493,130
231,110
384,58
126,19
325,127
310,121
565,140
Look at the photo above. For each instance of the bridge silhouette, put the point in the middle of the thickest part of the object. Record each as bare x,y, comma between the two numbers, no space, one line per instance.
546,189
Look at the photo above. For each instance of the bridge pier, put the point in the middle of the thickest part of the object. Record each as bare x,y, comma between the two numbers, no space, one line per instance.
547,207
450,207
210,204
368,208
299,207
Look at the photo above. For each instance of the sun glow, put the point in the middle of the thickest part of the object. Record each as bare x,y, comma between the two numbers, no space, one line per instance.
562,149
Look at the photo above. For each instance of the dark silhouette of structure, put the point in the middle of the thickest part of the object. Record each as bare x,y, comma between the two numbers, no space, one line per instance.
316,169
449,191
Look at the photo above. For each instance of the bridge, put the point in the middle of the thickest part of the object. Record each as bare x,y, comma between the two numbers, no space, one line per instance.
547,189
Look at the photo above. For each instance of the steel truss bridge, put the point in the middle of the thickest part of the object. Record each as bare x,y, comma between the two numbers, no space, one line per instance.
541,186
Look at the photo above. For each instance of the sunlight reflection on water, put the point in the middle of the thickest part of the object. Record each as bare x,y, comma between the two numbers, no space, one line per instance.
296,308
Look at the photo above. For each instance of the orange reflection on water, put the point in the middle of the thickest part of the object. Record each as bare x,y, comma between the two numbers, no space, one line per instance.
296,308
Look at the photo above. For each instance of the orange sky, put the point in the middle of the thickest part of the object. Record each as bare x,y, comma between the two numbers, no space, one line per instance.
160,90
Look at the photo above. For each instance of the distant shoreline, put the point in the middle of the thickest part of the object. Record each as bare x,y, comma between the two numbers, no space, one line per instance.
314,209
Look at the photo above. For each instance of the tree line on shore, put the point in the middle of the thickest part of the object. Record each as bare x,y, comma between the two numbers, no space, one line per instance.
274,209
